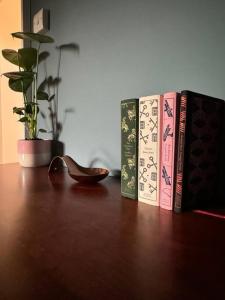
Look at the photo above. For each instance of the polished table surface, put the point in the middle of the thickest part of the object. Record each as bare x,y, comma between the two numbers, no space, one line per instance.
62,240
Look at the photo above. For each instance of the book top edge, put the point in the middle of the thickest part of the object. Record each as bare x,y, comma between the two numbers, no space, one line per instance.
169,94
150,97
187,93
128,100
194,94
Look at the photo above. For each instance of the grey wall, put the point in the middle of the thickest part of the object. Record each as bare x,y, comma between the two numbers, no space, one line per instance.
128,49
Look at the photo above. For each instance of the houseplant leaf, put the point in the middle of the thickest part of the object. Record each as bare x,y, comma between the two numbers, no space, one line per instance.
29,108
20,85
11,55
23,80
18,75
33,37
23,119
18,110
27,58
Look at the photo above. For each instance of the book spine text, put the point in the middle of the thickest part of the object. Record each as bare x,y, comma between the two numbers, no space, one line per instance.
180,155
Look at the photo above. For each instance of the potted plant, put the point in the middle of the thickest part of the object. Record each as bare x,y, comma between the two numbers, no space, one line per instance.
32,150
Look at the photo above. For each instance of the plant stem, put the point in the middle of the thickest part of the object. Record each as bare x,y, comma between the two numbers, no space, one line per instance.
34,121
57,95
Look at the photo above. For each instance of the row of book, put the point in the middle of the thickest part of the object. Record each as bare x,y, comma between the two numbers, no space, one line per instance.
172,150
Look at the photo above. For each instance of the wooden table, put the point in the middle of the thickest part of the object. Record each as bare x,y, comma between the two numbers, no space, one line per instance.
62,240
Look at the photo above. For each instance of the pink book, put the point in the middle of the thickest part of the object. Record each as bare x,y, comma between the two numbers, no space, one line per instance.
171,103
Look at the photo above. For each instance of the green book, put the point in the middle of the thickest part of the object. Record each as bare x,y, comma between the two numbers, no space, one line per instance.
129,148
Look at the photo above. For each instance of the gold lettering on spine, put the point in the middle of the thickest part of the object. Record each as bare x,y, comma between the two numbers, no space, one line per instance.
180,163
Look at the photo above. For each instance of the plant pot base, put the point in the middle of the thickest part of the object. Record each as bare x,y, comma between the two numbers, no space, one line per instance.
34,160
34,153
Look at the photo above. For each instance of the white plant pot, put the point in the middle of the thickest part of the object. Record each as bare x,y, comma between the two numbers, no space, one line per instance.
34,153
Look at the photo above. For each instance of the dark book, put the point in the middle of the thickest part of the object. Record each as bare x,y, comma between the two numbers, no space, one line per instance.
129,148
199,153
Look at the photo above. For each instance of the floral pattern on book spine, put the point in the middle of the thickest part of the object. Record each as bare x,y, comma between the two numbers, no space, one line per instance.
129,148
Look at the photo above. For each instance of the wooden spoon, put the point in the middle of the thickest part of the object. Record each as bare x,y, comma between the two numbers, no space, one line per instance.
77,172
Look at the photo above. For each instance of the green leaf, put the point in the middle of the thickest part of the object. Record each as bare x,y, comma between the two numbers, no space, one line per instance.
29,108
11,56
19,75
20,85
33,37
18,110
42,95
23,119
27,58
42,130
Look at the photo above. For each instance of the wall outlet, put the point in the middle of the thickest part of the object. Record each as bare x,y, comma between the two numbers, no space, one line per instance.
41,21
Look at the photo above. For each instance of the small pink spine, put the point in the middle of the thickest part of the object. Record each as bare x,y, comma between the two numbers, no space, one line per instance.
168,140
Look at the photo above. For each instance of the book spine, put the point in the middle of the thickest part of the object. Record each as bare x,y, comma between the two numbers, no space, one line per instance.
159,142
180,154
129,148
168,139
149,149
